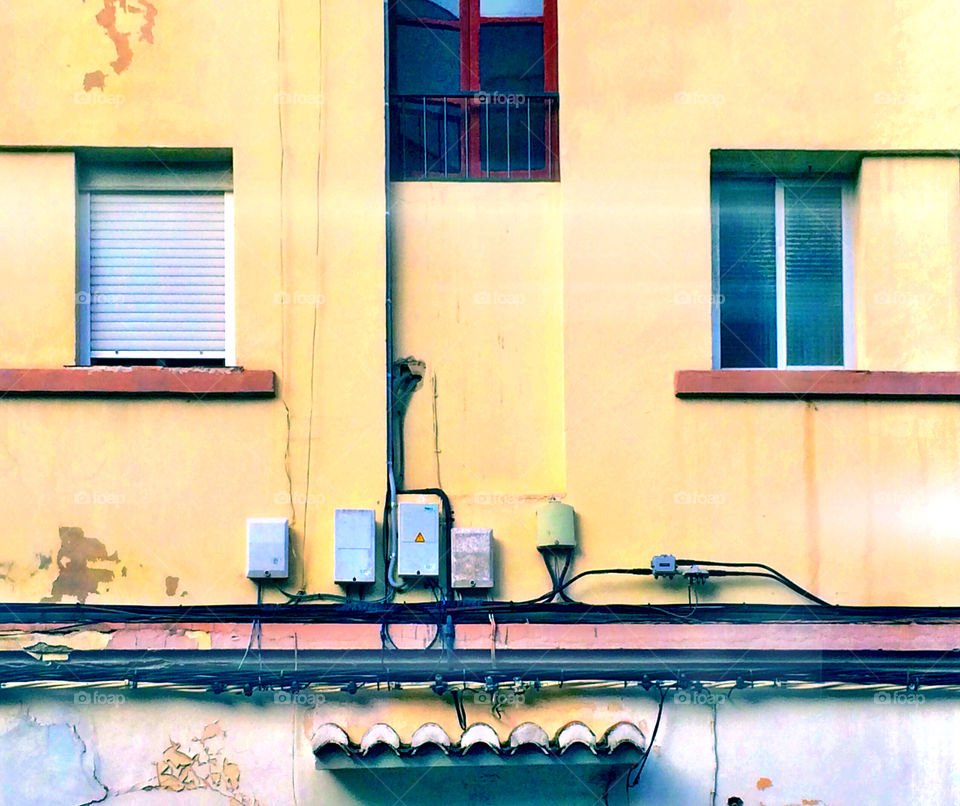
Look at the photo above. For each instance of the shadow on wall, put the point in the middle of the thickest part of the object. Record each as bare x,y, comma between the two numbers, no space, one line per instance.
514,785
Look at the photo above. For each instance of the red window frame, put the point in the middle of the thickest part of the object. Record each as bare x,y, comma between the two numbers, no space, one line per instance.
469,26
470,81
470,42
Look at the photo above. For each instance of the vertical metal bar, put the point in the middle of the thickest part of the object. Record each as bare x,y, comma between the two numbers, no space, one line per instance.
424,132
529,159
486,112
508,139
444,138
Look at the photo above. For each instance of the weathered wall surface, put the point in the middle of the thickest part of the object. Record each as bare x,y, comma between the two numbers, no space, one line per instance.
164,488
767,747
828,493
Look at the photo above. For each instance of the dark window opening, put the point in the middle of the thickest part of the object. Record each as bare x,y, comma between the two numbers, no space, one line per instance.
473,89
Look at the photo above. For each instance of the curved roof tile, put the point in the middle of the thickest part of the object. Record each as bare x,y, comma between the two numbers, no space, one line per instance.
380,734
479,733
330,735
430,734
623,732
529,734
576,733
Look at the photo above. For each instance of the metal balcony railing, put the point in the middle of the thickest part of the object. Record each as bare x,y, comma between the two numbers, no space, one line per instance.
475,135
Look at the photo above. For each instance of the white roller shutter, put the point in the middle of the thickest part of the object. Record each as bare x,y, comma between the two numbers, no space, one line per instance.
157,274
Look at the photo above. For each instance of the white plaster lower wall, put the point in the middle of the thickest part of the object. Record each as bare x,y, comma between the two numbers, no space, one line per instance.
766,746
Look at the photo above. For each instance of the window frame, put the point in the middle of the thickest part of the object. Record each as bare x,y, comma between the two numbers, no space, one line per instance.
845,185
84,353
469,25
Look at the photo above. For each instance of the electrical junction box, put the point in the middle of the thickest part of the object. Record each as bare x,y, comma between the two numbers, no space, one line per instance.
268,548
354,541
418,546
664,565
555,526
471,558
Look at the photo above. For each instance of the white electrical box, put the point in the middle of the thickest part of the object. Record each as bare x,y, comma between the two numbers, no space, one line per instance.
418,547
354,541
471,558
268,548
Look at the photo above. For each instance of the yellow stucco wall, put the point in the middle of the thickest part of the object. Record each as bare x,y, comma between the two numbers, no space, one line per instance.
909,246
553,315
37,223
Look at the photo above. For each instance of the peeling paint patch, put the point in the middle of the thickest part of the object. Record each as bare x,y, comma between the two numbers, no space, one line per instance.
764,783
43,651
44,561
93,80
107,19
76,577
202,764
171,584
202,637
150,14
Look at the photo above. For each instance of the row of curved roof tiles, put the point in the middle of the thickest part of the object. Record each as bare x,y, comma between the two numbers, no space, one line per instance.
382,736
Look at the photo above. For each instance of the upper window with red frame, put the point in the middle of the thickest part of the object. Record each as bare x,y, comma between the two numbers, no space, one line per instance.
474,89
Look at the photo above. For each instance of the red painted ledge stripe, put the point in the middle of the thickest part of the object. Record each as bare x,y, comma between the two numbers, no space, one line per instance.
138,381
811,384
771,637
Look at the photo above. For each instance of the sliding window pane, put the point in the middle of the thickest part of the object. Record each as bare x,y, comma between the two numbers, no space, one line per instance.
747,284
814,274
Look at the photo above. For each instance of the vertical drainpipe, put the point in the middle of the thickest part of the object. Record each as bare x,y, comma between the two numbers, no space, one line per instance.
390,521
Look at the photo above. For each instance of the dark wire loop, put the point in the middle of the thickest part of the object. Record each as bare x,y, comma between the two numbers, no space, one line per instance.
646,753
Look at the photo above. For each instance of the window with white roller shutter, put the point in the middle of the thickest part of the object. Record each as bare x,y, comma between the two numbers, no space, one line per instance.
155,268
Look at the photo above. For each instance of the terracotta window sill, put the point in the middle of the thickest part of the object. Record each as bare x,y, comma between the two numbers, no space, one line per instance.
186,382
838,384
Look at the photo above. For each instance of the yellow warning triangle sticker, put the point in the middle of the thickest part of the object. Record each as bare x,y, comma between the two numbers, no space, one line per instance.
418,538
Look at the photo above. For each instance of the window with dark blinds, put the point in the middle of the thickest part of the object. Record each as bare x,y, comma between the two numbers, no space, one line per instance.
813,236
746,281
778,273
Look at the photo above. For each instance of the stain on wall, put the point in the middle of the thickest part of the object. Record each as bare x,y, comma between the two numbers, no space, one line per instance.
94,80
171,584
76,577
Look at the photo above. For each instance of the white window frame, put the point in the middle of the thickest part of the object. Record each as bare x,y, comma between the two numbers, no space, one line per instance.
849,334
84,355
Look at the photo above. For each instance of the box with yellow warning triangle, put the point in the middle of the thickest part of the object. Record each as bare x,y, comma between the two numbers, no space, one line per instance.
418,549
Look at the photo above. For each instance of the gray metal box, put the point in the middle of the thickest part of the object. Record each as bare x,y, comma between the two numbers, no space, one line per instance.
354,541
471,558
268,548
418,549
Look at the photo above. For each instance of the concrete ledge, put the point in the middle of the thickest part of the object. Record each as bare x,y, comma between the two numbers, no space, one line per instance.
190,382
836,384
